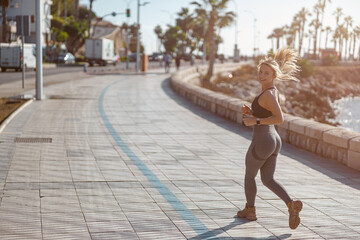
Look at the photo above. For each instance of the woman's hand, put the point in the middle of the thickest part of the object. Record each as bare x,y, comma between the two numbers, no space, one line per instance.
249,120
246,110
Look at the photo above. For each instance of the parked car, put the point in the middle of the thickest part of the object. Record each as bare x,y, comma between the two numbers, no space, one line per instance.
132,57
156,57
66,58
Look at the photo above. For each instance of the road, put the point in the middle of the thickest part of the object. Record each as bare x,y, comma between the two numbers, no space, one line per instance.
11,75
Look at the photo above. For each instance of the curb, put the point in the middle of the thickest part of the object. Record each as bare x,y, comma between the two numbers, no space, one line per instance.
13,114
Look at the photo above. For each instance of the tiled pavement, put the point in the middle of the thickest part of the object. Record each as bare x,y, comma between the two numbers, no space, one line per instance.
129,159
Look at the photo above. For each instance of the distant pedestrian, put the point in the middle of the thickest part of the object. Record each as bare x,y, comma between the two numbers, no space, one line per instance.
192,60
177,61
167,60
265,111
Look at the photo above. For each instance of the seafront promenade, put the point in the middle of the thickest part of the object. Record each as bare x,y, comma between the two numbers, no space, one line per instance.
122,156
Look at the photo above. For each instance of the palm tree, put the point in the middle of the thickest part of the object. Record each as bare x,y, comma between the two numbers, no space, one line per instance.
302,17
272,36
350,36
341,34
316,24
327,30
4,4
322,9
295,25
214,16
291,35
338,13
356,35
278,33
310,34
349,22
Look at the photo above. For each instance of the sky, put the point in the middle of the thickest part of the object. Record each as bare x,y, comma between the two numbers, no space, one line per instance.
269,14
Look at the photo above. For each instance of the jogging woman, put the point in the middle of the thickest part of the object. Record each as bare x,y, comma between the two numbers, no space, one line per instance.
264,113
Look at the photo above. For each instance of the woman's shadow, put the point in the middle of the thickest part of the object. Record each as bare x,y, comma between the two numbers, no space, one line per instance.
212,234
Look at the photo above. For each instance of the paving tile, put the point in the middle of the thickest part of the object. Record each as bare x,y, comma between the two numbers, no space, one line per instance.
103,216
114,235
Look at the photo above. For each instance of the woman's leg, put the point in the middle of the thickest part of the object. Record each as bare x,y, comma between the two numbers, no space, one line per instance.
253,165
267,175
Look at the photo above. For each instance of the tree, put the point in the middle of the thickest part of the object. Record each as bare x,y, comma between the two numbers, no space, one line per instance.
186,23
356,35
316,24
158,32
132,31
76,6
348,21
338,13
73,32
310,34
302,17
291,31
4,4
296,27
327,30
340,34
272,36
214,16
278,33
172,37
322,9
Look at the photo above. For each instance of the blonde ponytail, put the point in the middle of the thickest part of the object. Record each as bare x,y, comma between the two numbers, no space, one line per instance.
283,64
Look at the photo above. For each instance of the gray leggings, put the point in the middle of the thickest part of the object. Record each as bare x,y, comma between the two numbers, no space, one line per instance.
262,154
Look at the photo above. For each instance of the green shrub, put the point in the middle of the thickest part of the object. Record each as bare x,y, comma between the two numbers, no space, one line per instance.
307,69
330,60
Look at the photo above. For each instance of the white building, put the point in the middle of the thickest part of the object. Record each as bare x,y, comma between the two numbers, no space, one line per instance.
27,7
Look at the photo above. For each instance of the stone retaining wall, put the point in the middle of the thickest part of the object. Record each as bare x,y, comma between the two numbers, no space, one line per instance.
322,139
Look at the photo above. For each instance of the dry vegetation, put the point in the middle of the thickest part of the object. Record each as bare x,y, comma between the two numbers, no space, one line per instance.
8,106
311,98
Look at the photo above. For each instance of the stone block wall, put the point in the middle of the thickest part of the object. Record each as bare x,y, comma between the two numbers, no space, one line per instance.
322,139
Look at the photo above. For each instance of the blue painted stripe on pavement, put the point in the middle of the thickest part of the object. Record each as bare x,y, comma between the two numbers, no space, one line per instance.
184,212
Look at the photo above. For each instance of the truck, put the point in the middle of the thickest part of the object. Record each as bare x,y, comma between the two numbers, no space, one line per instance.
100,51
11,56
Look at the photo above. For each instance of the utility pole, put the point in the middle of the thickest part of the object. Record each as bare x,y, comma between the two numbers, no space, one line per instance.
137,36
39,72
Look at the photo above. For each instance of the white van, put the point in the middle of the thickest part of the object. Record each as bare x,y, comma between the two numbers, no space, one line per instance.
10,56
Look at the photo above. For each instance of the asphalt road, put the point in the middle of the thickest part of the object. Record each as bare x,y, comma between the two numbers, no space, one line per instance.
11,75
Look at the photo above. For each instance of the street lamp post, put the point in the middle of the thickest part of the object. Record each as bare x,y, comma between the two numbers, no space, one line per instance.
236,50
39,70
138,35
254,30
